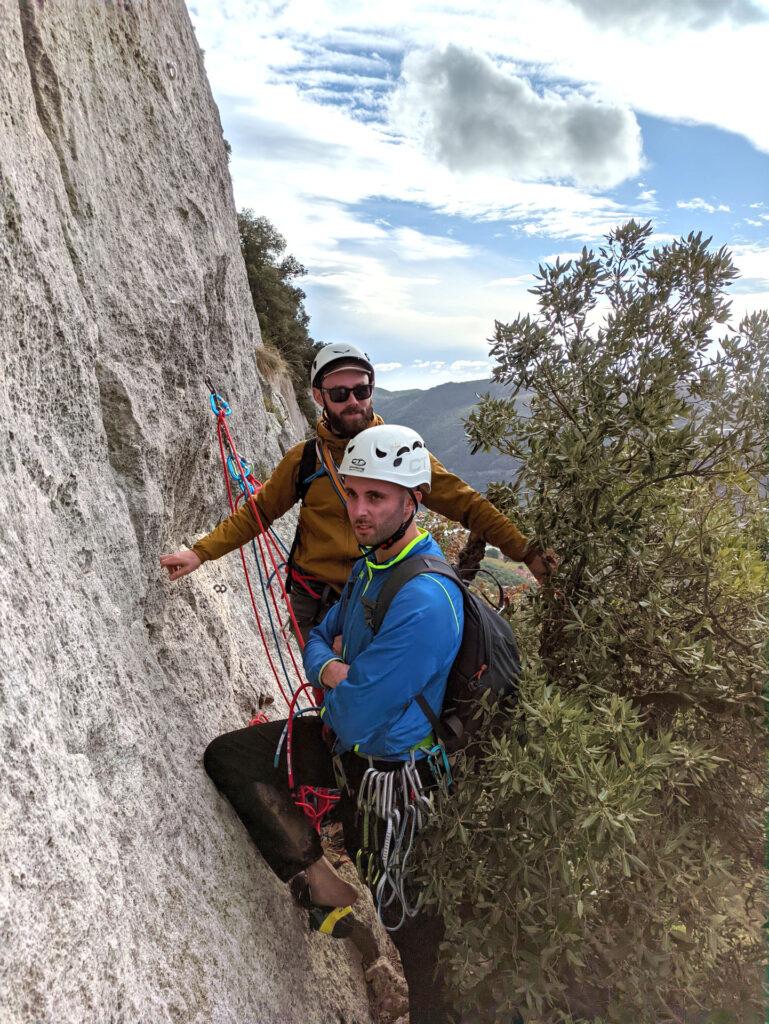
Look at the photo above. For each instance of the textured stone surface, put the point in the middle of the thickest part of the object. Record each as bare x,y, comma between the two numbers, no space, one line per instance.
389,994
129,889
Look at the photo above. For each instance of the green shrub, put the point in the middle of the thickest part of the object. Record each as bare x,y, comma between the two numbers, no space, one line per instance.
611,868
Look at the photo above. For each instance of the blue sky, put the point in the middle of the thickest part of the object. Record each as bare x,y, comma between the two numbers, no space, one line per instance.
421,159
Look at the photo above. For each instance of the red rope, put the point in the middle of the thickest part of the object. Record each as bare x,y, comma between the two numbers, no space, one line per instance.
265,537
222,425
232,505
290,731
314,801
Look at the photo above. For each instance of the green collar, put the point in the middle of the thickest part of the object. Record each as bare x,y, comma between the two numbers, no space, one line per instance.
401,554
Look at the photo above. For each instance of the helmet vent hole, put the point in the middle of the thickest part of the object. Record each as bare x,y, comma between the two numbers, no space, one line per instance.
417,444
402,451
380,455
397,462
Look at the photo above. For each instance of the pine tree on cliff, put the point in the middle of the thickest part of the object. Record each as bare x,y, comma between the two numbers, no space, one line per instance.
279,303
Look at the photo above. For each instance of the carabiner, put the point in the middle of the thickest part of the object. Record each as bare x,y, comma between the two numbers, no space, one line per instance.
218,404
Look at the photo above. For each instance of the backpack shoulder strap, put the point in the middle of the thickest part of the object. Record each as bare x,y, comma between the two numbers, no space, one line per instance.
399,577
306,471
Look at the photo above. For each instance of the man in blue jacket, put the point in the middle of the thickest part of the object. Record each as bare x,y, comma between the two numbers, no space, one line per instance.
370,718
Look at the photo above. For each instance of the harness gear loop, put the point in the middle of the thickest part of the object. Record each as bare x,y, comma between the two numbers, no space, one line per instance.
394,806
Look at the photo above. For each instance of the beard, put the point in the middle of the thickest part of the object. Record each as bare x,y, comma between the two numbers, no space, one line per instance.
348,425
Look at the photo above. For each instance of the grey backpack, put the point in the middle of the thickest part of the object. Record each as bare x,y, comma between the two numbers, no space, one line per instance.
487,659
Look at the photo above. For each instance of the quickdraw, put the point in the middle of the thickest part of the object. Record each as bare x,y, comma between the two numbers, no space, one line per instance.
394,806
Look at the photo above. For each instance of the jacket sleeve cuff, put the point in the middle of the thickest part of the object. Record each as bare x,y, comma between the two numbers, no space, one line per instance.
323,667
201,552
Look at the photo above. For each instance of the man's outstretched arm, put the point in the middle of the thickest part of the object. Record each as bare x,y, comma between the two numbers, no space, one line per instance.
274,499
455,499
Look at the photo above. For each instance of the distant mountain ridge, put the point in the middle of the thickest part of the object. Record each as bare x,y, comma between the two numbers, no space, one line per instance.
438,414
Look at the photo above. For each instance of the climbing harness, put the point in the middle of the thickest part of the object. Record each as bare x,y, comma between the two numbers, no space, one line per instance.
394,806
271,556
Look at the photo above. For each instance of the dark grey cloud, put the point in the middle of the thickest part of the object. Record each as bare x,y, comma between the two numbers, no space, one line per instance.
471,116
698,14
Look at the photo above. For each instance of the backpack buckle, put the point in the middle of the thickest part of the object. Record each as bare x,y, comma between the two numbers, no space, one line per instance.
474,680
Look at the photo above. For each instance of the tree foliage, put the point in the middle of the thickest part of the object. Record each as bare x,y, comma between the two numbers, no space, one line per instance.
611,867
278,301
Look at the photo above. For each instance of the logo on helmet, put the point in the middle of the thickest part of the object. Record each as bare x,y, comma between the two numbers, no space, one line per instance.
358,463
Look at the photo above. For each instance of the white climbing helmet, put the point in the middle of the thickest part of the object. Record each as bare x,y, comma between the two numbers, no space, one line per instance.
388,452
347,356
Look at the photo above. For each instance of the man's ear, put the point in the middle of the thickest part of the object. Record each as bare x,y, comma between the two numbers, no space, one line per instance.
317,396
417,495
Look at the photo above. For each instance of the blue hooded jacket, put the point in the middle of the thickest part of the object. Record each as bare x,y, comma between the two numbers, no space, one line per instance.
373,710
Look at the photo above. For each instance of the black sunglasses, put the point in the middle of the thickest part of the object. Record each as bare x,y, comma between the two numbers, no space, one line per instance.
341,394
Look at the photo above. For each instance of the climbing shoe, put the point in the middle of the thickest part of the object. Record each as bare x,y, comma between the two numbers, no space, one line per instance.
338,922
334,921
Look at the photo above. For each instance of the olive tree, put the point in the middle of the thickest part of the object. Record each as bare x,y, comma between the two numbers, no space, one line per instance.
609,865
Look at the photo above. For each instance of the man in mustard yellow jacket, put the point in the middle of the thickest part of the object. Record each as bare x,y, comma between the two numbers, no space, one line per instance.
342,379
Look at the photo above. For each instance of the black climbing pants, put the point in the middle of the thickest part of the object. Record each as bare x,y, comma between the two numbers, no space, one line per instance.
309,610
241,765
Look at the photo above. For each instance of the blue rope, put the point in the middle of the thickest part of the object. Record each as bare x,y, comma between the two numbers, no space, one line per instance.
265,597
281,545
271,577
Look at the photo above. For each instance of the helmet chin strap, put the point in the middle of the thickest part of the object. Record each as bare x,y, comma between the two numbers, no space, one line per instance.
385,545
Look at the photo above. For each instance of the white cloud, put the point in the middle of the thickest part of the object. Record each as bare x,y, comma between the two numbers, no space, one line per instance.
754,223
752,261
387,367
648,14
313,148
506,282
744,303
471,115
701,204
756,206
471,364
562,256
248,43
414,245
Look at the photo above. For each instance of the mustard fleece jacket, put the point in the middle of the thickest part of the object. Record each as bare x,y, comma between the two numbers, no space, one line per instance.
327,547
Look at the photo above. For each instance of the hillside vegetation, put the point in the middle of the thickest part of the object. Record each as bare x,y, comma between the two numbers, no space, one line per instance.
439,414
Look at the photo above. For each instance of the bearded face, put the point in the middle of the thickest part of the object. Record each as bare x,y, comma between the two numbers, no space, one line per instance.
348,417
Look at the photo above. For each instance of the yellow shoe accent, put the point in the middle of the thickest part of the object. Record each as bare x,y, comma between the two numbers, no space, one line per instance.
329,923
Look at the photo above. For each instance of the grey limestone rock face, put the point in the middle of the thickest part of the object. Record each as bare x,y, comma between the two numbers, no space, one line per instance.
130,891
